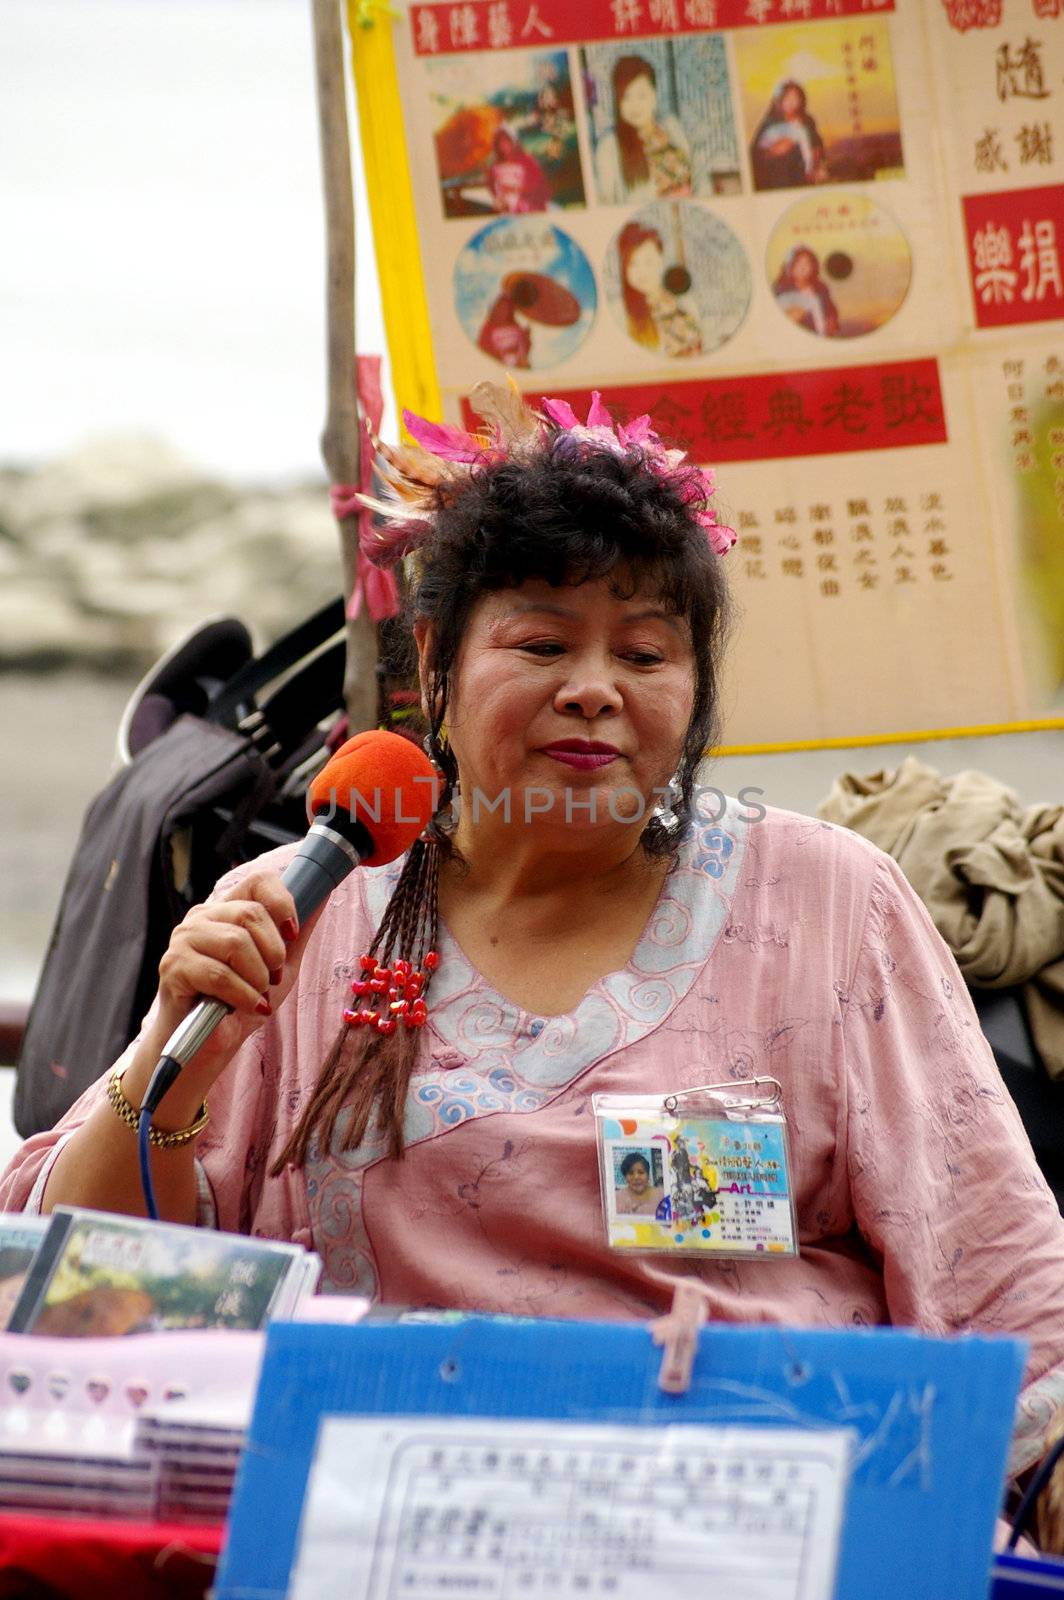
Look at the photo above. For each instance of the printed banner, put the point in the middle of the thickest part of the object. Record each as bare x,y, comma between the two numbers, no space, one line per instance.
509,24
790,230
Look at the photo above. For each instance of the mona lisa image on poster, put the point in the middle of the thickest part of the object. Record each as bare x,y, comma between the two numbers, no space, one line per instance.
660,119
505,133
819,103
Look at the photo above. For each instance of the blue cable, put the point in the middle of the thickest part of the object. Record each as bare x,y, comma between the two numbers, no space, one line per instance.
166,1070
144,1148
1033,1490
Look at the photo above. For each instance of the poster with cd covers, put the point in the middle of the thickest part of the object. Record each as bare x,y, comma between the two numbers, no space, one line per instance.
813,256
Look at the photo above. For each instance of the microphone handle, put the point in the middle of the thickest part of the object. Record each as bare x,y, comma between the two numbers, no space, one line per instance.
324,860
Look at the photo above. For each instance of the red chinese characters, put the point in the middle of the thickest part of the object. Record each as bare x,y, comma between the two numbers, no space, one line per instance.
832,411
460,25
1014,255
965,14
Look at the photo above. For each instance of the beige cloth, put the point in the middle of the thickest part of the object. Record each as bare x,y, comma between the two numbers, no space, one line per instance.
990,871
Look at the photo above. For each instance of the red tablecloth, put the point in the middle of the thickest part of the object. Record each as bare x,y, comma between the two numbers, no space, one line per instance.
68,1558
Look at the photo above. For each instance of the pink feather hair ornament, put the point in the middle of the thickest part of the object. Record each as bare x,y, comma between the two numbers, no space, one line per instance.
414,478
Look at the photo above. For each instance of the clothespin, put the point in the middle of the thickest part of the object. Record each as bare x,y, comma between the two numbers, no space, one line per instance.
678,1332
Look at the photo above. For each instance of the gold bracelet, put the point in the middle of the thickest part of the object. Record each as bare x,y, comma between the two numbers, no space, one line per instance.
131,1117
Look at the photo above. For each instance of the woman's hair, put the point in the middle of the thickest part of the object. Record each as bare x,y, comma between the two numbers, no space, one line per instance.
567,514
634,1158
785,276
641,324
776,109
634,167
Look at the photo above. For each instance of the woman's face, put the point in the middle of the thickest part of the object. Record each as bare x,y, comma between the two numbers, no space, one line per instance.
571,701
791,102
645,267
638,104
637,1177
804,269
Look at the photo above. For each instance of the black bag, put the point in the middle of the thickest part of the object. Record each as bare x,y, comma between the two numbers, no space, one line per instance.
214,777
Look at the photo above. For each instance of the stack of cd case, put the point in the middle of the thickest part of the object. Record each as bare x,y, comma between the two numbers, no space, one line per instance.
130,1360
147,1427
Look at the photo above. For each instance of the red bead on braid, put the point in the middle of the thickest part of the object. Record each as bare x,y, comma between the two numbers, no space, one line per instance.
397,970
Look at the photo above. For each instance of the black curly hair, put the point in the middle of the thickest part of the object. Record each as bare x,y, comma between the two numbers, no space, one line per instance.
634,1158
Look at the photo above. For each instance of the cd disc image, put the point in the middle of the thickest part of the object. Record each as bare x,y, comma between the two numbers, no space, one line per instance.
838,265
524,292
677,279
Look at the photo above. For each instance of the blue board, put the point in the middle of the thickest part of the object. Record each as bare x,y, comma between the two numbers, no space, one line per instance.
933,1419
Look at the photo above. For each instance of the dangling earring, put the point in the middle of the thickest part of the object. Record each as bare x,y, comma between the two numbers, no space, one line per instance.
435,750
663,811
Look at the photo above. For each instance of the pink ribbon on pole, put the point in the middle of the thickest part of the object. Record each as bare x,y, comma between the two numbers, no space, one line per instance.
376,587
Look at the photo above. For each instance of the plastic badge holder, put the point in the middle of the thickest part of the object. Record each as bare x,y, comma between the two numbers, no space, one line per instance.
702,1172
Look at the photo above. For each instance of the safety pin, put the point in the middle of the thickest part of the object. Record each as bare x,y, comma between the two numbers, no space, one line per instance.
726,1092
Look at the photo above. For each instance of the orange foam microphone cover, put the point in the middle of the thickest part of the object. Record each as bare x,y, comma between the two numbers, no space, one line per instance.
385,782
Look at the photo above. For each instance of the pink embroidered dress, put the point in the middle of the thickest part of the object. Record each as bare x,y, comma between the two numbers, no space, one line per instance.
784,947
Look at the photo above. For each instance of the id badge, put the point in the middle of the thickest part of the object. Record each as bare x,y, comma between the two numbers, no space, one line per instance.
705,1172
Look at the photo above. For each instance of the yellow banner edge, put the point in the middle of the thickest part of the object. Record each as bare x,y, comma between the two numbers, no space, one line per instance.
910,736
390,194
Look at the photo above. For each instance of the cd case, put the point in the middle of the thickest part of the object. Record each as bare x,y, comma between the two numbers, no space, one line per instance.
96,1273
21,1237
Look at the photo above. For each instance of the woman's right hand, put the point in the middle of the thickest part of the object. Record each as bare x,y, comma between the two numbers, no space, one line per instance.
243,948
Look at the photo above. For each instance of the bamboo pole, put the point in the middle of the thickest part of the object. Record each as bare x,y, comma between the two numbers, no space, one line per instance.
340,437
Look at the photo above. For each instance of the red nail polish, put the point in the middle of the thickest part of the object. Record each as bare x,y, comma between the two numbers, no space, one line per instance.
290,930
264,1008
277,975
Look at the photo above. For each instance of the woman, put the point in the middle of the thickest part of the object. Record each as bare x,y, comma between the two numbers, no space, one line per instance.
583,935
643,156
655,317
639,1197
803,295
517,182
505,333
787,149
525,300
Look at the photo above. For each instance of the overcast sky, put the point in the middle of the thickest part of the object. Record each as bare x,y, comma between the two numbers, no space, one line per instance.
161,257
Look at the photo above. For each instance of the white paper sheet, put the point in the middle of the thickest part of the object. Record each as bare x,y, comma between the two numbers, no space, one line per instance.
434,1506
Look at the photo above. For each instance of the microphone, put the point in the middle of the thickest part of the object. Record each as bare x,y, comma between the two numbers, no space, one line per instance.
368,804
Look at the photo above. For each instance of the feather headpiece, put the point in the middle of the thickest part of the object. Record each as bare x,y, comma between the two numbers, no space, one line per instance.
413,477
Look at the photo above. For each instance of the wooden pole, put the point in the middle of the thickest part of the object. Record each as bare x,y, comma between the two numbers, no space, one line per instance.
340,436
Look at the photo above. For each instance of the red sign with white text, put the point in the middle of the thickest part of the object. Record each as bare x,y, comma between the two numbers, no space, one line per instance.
524,24
833,411
1015,239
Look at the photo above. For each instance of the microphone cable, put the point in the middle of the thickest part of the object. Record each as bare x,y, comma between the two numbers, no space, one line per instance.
1032,1491
143,1149
165,1072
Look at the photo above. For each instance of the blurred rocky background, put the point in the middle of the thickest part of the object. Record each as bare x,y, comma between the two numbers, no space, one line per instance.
108,555
112,552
